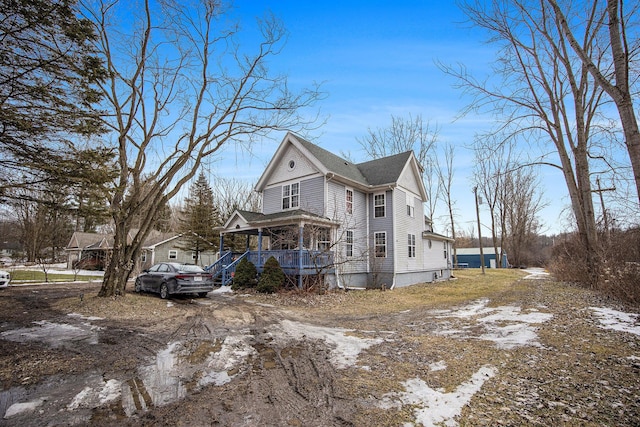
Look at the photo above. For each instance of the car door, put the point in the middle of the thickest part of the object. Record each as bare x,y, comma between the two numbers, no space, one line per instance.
164,271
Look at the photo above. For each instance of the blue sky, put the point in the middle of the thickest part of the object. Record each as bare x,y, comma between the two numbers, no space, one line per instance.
377,59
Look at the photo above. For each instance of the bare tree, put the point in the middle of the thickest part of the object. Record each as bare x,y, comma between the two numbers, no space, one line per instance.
445,171
179,88
542,94
612,72
405,134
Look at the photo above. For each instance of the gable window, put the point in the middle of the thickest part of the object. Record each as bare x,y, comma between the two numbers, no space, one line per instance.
349,245
290,196
412,245
143,257
349,201
380,244
173,254
378,205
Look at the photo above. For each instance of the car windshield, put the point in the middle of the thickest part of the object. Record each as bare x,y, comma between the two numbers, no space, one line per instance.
190,268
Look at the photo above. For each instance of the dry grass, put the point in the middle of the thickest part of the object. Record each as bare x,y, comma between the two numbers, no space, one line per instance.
468,285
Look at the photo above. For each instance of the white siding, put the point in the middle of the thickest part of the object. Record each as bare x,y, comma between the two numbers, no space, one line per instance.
406,225
303,167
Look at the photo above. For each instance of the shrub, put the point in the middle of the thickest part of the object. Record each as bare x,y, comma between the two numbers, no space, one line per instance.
271,278
245,276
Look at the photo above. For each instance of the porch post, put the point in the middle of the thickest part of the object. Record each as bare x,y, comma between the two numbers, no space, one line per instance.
221,244
259,245
300,242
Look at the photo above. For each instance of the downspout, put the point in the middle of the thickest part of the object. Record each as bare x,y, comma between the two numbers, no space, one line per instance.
395,238
326,197
221,244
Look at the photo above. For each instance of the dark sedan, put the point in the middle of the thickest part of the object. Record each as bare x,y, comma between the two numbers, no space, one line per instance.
169,278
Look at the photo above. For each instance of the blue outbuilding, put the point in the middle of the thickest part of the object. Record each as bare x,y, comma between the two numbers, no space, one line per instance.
470,257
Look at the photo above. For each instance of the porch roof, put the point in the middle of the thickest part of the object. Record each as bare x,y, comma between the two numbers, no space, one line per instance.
248,222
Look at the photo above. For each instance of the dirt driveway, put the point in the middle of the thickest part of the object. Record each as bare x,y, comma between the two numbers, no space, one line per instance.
510,349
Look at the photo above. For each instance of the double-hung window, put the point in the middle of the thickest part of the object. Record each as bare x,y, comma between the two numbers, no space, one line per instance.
291,196
380,244
173,254
349,201
412,245
349,243
410,205
378,205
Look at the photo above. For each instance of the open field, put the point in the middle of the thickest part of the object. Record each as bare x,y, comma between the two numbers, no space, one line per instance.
502,349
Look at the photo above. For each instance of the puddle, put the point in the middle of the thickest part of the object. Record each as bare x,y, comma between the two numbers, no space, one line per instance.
182,367
54,334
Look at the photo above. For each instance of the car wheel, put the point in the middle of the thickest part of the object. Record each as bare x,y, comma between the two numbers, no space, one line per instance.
202,294
138,286
164,291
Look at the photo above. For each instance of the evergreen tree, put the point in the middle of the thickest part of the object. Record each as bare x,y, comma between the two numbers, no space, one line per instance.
245,276
48,68
272,277
199,218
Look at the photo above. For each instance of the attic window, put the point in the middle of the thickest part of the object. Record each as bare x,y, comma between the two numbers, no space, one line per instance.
292,165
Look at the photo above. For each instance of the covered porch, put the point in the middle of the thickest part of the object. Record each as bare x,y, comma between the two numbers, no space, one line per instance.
300,241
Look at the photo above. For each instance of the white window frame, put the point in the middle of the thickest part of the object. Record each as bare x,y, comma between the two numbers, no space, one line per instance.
411,240
324,239
143,257
349,243
411,205
376,205
291,197
173,254
377,244
348,203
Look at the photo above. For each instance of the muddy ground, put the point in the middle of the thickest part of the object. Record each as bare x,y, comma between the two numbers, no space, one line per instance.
531,352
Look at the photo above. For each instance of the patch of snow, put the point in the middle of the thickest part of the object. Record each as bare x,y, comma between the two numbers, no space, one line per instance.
507,326
438,366
617,320
223,290
346,348
80,316
536,273
169,304
233,353
19,408
434,407
54,334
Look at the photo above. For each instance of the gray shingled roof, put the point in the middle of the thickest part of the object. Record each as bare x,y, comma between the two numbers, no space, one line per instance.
257,216
381,171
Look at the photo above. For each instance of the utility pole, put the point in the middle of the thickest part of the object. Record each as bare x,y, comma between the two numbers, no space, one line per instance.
475,191
604,211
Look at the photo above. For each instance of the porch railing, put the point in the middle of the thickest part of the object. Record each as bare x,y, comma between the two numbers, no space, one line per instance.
290,260
312,262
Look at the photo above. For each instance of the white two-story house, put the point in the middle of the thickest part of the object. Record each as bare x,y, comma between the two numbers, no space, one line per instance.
356,225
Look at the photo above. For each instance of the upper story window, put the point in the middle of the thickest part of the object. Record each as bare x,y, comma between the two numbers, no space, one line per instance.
411,205
173,254
291,196
378,205
349,201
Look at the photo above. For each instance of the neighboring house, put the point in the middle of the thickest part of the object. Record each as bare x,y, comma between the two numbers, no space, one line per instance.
358,225
92,250
470,257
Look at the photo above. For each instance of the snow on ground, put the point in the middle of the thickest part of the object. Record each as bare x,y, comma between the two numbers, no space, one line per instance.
345,348
54,334
535,273
507,326
617,320
19,408
434,407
